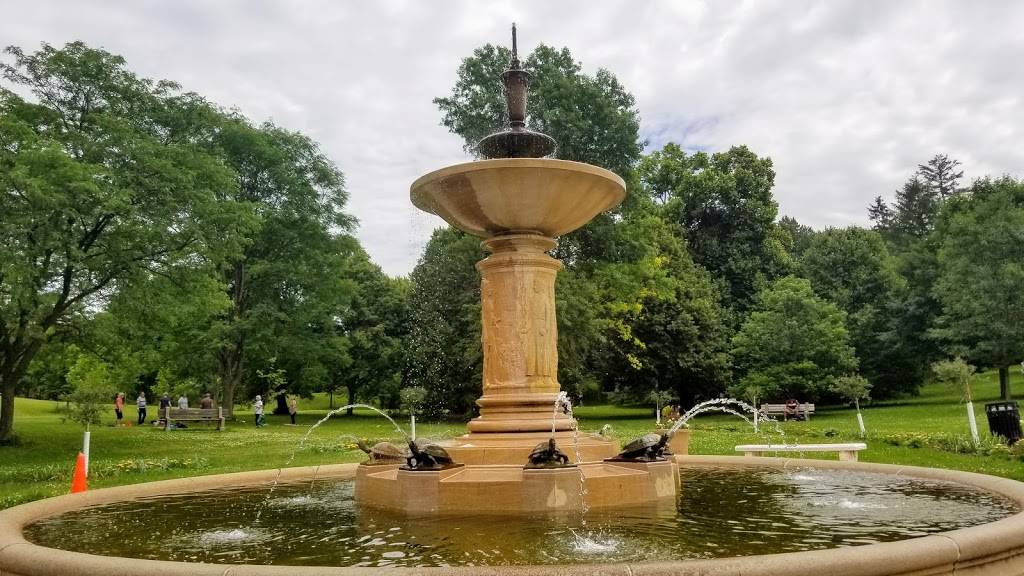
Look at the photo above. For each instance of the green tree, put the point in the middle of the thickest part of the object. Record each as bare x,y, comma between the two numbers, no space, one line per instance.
981,274
852,268
908,227
663,322
914,212
87,172
443,348
91,392
724,207
593,118
413,398
942,175
795,339
754,387
375,327
956,374
285,285
168,323
800,235
853,388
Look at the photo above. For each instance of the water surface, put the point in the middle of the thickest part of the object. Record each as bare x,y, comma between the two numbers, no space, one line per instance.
720,512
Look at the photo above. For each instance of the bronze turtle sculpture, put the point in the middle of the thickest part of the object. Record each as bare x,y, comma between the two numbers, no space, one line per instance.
547,455
383,453
427,457
647,448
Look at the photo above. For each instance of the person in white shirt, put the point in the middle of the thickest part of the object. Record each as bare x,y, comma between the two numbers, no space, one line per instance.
140,402
183,402
257,407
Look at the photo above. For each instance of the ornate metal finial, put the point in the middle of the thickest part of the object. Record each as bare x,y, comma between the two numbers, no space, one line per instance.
516,141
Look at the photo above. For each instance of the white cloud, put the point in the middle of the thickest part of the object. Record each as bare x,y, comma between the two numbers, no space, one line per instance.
846,97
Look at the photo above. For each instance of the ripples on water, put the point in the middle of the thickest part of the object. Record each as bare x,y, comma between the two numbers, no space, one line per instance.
721,512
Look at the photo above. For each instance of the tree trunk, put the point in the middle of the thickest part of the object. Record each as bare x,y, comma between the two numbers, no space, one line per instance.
229,365
351,399
229,361
282,403
331,405
12,370
6,410
1004,382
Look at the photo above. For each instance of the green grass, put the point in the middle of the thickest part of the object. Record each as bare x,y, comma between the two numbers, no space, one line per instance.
915,431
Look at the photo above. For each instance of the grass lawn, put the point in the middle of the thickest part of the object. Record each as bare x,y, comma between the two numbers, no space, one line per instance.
916,431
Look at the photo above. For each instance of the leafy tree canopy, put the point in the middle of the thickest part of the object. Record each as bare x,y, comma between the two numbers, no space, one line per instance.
796,339
981,275
724,207
100,185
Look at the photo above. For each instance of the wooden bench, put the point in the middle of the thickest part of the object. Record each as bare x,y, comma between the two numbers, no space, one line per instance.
805,409
193,415
847,452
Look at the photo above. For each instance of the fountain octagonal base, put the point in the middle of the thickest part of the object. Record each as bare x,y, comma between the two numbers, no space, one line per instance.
510,489
494,481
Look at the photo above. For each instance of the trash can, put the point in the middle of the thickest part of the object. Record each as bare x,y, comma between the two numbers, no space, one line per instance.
1004,420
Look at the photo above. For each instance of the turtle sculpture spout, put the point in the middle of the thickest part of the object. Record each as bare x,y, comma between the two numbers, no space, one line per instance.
547,455
382,453
428,457
647,448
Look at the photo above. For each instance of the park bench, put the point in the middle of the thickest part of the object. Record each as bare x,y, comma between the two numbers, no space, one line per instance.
193,415
806,409
847,452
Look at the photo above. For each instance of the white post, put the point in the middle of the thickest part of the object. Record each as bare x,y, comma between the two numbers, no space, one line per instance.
860,422
974,425
412,425
657,412
755,420
85,450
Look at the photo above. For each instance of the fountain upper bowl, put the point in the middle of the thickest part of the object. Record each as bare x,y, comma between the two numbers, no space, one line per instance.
542,195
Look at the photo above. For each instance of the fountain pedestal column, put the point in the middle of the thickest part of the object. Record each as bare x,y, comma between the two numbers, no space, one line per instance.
520,350
520,336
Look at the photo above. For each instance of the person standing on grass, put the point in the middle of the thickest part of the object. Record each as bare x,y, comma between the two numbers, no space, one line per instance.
119,407
257,407
293,408
140,402
165,403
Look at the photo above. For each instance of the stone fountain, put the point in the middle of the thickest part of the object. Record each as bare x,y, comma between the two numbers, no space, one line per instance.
519,201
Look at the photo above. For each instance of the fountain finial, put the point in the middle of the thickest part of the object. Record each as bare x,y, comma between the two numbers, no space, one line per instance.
516,141
515,55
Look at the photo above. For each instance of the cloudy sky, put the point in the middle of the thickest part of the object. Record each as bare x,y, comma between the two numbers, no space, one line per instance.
846,97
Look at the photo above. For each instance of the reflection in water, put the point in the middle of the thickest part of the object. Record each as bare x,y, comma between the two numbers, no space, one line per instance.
721,512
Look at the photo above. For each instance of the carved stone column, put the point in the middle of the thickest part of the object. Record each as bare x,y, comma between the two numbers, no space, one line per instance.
520,336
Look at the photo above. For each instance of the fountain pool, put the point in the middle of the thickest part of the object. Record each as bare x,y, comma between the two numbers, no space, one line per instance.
735,516
720,513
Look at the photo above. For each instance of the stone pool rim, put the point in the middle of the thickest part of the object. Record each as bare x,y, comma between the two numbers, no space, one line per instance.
987,549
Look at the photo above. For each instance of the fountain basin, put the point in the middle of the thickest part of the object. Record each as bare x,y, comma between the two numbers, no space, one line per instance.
987,549
541,195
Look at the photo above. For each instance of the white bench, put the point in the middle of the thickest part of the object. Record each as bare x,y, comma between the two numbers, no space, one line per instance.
847,452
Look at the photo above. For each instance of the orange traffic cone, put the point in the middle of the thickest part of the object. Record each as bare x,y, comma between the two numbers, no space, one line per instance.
78,483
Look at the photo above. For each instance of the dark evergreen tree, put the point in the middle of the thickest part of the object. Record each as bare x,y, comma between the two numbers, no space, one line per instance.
800,235
881,216
942,175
